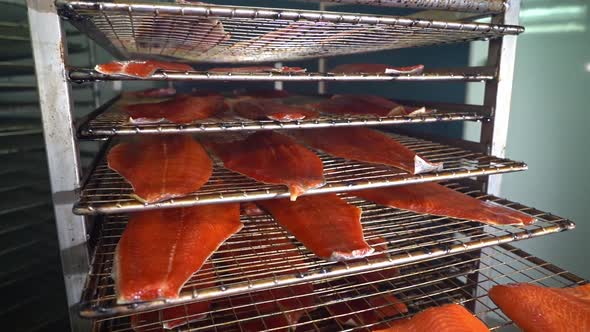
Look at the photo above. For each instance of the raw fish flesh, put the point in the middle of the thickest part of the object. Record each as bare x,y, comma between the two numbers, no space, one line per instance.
436,199
263,109
182,109
151,93
543,309
258,69
374,68
446,318
173,317
327,225
363,144
139,68
365,105
273,158
161,167
161,249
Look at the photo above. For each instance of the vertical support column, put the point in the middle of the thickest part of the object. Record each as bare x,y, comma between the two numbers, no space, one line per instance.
49,52
322,63
498,92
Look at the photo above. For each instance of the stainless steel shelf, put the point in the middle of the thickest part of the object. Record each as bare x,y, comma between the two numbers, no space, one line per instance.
476,6
110,121
107,192
411,237
208,33
467,74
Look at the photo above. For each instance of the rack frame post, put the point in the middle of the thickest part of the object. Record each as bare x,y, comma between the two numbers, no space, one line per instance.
55,98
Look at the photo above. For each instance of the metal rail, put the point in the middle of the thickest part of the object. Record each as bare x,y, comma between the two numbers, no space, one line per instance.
109,120
476,6
473,74
246,34
411,239
107,192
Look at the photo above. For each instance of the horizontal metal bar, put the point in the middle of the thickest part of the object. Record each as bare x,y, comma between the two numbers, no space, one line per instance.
475,6
478,74
108,192
411,238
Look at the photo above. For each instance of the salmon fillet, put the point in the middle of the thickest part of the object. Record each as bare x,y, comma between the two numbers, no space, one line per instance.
151,93
273,158
380,246
536,308
262,93
325,224
368,310
446,318
436,199
173,317
375,68
161,167
364,144
365,105
263,109
139,68
160,250
182,109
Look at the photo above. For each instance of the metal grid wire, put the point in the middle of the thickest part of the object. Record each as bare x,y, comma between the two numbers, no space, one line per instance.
109,120
202,33
468,74
107,192
479,6
238,267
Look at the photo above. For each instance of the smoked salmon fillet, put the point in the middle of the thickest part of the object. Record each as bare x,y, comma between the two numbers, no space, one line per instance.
273,158
151,93
161,167
446,318
365,105
536,308
161,249
368,310
375,68
262,93
183,109
173,317
264,109
436,199
327,225
363,144
139,68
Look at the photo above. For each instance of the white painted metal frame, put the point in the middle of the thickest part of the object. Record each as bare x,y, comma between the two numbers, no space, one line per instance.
50,52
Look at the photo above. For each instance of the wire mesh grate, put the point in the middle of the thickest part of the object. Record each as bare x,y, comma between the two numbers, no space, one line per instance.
202,33
108,192
479,6
110,120
239,266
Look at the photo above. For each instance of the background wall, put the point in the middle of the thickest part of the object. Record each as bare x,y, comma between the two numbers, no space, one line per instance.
549,124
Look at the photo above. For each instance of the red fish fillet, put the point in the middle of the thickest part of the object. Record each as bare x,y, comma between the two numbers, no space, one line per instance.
273,158
325,224
183,109
380,245
446,318
436,199
160,250
173,317
374,68
363,144
139,68
262,93
536,308
162,167
151,93
261,109
365,105
258,69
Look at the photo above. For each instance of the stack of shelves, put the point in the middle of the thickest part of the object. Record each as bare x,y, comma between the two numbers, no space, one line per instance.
424,260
